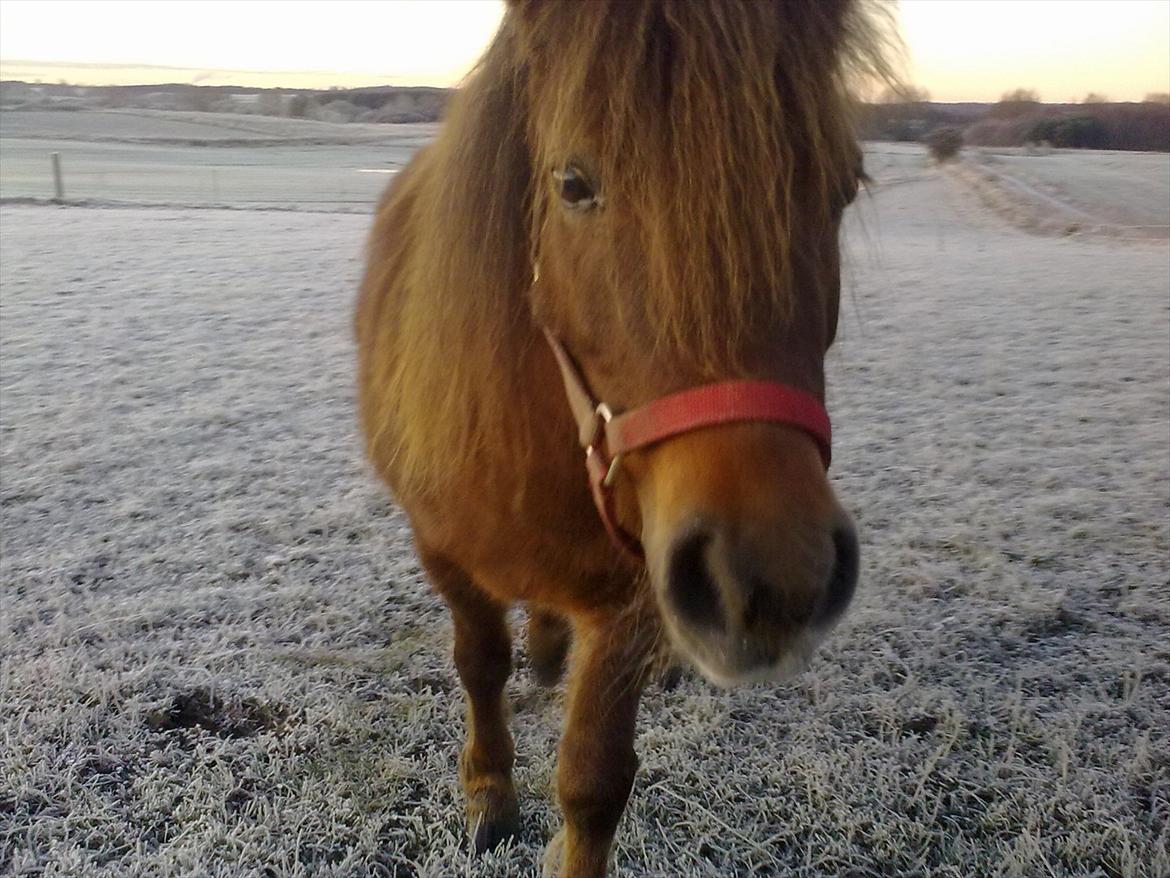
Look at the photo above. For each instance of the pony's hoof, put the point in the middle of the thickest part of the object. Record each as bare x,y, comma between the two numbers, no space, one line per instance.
548,671
492,818
554,856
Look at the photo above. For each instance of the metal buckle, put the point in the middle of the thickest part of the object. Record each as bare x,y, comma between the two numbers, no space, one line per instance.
604,415
611,473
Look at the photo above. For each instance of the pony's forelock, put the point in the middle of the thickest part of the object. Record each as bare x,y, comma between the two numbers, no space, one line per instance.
702,115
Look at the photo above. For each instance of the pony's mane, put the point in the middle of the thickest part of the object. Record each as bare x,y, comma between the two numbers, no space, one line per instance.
654,77
444,291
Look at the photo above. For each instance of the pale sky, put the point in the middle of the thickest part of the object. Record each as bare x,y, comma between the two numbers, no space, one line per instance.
979,49
958,49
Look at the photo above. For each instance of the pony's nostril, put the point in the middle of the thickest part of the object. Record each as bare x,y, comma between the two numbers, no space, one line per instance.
689,583
843,579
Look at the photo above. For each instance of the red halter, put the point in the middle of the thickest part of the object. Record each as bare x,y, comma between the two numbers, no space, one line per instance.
606,436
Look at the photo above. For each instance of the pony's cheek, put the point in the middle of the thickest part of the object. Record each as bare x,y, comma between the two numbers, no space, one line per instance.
635,496
654,527
568,304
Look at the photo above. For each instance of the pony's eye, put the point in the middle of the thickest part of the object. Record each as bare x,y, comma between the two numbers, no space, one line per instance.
574,189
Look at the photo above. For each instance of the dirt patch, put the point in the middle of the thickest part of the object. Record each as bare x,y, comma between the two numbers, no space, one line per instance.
201,709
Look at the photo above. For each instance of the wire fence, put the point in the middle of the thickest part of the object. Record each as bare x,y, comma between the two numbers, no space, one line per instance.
254,179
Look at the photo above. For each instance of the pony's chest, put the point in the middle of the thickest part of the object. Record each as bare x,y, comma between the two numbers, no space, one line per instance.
538,539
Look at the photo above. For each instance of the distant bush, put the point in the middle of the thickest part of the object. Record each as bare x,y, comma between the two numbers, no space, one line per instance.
1020,96
407,105
395,115
1078,132
338,111
944,143
301,107
270,103
1000,132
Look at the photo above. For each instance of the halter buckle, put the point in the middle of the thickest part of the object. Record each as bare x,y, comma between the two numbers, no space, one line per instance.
604,414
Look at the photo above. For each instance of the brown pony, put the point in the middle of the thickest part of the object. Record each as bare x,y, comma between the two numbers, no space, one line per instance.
678,171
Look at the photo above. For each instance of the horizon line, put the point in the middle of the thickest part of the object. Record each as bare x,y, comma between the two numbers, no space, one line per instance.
376,79
296,88
115,65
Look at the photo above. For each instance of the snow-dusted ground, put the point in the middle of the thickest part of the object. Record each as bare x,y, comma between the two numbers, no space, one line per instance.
1070,191
1127,189
172,126
202,159
219,657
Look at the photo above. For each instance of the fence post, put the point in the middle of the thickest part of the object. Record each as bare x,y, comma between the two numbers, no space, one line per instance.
58,185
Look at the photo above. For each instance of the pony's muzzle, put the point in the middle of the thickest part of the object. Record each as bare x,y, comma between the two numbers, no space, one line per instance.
704,594
753,564
739,617
843,580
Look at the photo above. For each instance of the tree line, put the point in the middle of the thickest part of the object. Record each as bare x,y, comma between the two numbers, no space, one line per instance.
1019,118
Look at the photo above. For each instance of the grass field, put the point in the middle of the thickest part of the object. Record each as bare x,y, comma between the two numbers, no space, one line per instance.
1098,192
218,655
202,159
173,126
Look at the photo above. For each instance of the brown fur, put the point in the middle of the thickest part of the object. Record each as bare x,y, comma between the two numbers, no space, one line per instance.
719,137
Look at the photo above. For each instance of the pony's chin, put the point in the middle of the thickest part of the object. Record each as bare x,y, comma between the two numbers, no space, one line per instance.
726,669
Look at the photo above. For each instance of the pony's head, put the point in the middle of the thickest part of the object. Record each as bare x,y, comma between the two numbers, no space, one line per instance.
690,165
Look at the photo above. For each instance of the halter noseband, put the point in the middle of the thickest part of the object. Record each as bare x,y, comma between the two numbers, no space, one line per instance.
607,436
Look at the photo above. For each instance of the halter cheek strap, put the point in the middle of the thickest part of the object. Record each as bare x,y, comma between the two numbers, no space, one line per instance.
606,436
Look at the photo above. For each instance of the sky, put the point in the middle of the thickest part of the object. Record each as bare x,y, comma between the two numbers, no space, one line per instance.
957,49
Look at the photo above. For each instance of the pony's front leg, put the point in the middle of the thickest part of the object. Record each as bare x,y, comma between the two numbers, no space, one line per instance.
596,764
483,657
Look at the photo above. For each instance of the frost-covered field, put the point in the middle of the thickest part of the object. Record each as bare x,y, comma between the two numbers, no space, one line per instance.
219,657
174,126
1066,192
201,159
